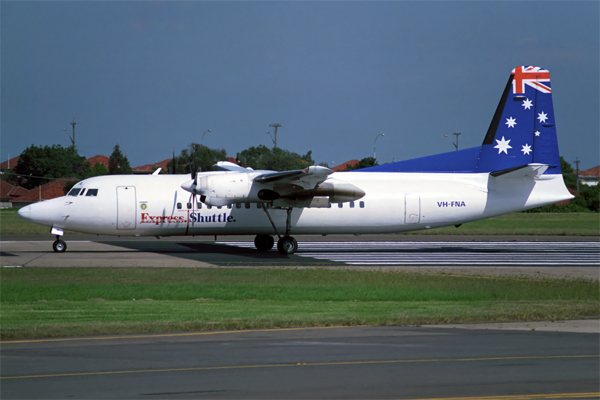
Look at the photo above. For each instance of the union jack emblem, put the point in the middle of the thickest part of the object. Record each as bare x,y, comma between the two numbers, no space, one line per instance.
531,76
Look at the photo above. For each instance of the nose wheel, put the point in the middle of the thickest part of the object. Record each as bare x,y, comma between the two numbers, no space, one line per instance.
59,246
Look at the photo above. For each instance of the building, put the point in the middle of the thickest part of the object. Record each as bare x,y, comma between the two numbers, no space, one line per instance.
590,176
50,190
9,164
343,167
149,168
99,159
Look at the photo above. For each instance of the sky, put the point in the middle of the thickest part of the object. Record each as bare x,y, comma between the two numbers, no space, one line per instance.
154,76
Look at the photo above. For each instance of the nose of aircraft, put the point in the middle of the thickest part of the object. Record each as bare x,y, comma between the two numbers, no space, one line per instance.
25,213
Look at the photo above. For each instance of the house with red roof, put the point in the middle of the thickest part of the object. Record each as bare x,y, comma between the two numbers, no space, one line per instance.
48,191
149,168
99,159
590,176
9,164
343,167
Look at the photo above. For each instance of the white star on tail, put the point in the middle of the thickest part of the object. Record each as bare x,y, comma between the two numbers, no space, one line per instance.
537,133
542,117
503,145
527,104
511,122
526,149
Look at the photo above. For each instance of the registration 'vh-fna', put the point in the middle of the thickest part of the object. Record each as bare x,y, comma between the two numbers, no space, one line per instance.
517,167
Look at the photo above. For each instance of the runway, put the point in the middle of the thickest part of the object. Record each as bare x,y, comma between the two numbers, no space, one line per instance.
567,254
514,256
353,363
525,361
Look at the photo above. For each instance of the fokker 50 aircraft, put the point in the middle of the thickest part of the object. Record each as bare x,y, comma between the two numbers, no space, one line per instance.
517,167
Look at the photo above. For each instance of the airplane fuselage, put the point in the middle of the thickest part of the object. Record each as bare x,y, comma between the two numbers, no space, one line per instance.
156,205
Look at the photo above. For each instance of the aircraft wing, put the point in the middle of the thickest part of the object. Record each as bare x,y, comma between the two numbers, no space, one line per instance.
306,178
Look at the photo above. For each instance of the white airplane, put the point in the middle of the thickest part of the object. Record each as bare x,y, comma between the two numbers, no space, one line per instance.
516,168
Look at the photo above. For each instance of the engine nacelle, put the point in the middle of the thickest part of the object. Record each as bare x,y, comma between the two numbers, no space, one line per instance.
222,189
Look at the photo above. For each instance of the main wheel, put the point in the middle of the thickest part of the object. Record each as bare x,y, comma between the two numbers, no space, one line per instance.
287,245
59,246
264,242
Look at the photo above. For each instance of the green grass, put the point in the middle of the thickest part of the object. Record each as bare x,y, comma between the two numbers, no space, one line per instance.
551,224
554,224
11,224
46,302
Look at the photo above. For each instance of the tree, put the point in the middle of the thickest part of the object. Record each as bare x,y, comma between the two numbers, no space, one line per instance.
39,165
568,176
364,163
118,162
197,158
275,159
99,169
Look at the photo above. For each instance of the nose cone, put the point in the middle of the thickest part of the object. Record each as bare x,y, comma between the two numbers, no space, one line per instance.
25,213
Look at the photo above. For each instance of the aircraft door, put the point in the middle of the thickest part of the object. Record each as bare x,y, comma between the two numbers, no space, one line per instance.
412,208
126,207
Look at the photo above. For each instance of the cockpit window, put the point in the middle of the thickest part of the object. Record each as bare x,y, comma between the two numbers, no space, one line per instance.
74,192
82,192
92,192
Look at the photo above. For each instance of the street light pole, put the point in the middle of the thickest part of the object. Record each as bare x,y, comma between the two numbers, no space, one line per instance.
202,140
375,145
457,134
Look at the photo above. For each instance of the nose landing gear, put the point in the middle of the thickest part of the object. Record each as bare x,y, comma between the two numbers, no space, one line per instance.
59,246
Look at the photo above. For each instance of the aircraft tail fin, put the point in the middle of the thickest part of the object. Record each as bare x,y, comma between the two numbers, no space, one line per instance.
522,130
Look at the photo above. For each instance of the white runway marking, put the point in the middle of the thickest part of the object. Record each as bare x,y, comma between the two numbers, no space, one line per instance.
450,253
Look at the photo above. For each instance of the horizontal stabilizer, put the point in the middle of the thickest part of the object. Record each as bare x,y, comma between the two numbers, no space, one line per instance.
522,171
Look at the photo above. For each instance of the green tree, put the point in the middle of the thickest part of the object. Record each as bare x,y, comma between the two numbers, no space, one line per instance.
197,158
364,163
39,165
97,170
589,197
568,176
276,159
118,162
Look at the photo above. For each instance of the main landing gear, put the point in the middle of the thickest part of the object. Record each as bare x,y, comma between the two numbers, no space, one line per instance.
59,246
285,245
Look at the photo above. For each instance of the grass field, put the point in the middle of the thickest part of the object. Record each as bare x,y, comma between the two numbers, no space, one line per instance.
49,302
555,224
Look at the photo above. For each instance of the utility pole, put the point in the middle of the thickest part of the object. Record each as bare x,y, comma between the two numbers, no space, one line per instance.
577,163
72,138
275,125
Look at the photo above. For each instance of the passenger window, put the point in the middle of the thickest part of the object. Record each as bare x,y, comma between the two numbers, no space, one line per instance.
189,206
199,204
362,204
74,192
238,205
179,206
340,205
92,192
230,206
351,204
219,207
247,205
209,207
